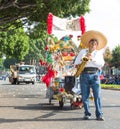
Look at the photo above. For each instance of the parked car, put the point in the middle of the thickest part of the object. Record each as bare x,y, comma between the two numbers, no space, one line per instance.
25,74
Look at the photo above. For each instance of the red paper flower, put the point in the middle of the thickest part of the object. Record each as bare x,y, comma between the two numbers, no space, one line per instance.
78,37
65,53
46,48
41,62
82,24
50,23
56,57
71,36
72,54
61,89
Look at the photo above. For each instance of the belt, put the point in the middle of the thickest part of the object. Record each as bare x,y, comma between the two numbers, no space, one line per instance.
90,70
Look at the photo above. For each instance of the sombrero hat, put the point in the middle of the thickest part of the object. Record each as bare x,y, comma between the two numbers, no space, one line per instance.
92,34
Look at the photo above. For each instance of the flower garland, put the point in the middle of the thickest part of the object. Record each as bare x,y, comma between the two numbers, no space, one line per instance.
49,23
82,23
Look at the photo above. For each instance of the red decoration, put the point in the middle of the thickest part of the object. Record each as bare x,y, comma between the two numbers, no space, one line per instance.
71,36
50,74
50,23
62,90
43,63
46,79
78,37
57,57
46,48
72,54
82,24
65,53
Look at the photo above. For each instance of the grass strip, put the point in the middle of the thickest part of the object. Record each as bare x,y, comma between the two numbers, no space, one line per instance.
110,86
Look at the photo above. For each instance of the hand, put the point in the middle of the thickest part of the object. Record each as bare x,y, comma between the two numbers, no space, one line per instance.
89,56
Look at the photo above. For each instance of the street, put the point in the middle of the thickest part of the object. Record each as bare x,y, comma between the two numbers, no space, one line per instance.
25,106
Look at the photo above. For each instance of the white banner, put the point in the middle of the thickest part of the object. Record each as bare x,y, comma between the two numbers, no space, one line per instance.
65,24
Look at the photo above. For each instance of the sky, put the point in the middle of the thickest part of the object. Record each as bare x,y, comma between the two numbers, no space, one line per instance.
104,17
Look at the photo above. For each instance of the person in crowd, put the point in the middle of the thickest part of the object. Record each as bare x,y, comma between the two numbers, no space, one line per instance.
93,41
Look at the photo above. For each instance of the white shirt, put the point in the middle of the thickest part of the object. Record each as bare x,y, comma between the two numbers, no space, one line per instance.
97,58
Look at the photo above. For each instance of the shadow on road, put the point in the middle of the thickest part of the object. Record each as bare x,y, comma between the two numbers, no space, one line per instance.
53,111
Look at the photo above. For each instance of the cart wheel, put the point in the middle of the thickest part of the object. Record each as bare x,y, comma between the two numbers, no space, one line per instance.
61,103
72,106
50,101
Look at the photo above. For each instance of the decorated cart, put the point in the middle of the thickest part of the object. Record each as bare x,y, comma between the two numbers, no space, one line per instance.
60,55
59,79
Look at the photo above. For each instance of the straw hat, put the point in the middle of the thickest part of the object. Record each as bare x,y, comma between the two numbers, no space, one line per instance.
92,34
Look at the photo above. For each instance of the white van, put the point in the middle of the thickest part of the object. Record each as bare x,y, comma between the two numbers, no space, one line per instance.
26,74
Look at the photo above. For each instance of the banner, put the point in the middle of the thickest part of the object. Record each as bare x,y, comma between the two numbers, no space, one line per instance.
56,23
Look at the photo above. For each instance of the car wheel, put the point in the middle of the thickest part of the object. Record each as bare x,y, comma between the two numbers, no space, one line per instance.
33,83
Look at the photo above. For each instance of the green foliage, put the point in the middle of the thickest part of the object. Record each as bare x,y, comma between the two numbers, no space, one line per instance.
14,43
34,51
10,61
37,42
37,10
116,57
16,14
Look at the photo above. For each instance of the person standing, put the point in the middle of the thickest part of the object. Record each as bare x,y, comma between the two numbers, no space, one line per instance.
93,41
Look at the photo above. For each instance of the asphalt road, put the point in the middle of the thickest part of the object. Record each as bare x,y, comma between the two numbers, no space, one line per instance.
26,107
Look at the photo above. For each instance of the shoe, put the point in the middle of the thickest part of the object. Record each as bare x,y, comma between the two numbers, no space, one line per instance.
100,118
86,117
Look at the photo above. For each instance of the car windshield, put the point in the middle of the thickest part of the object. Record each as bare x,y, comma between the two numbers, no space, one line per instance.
27,69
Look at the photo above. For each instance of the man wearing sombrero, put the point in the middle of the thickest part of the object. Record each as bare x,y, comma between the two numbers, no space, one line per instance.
93,41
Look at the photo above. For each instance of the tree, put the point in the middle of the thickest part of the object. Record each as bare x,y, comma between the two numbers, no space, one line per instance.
10,61
30,11
116,57
36,51
19,13
14,43
107,55
37,44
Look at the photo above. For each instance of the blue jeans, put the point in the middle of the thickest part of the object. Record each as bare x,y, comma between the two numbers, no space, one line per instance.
88,81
